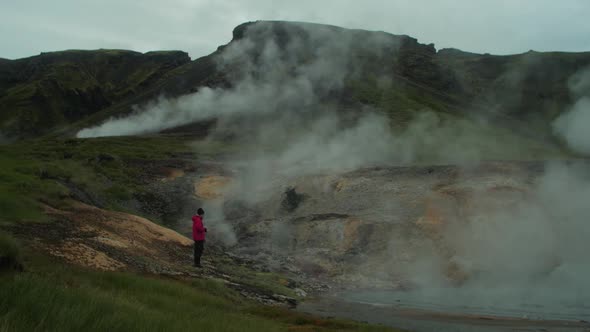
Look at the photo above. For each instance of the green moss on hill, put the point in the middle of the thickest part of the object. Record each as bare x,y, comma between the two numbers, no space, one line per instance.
43,92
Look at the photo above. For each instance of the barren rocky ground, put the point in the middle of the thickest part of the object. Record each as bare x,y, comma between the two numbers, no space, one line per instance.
358,228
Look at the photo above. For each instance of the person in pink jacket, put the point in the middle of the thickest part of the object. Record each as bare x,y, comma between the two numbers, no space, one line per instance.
199,236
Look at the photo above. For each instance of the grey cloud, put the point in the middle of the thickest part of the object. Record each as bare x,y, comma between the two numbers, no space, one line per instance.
198,27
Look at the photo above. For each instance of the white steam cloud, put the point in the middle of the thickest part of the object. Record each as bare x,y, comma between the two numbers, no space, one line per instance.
574,125
267,78
528,253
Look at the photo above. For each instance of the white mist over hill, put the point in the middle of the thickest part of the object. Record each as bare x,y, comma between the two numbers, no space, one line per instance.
574,125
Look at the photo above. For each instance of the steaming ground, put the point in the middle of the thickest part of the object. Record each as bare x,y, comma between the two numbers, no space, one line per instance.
503,236
347,195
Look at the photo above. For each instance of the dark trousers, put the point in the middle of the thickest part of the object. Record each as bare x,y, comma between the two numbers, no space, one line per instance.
199,246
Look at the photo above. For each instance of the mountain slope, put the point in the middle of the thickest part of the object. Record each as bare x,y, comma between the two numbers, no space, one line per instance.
393,73
532,88
40,93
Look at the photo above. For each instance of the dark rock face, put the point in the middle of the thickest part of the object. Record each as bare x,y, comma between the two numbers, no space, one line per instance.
291,200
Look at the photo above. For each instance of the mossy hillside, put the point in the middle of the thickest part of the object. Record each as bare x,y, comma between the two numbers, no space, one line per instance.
532,87
179,81
63,92
48,171
430,120
21,187
54,89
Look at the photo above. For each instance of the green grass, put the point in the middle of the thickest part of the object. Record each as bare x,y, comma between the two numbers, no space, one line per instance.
53,296
93,301
56,297
270,282
46,170
20,187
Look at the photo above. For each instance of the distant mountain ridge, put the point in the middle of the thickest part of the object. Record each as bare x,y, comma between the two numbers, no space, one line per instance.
59,93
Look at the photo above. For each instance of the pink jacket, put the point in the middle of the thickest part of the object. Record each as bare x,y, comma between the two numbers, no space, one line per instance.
198,229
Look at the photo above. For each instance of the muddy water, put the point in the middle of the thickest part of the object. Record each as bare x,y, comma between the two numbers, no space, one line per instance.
452,310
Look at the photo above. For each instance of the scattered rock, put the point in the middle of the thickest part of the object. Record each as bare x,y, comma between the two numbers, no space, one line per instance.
300,292
291,199
285,299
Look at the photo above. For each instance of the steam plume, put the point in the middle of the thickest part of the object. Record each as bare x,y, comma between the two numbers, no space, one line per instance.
573,125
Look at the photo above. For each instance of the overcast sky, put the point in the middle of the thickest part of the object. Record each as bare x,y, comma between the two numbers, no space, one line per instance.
28,27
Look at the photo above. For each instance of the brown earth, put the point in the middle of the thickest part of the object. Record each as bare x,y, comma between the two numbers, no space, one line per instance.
211,186
107,240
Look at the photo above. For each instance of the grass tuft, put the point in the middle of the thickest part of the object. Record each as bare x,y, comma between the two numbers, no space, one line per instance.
72,299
